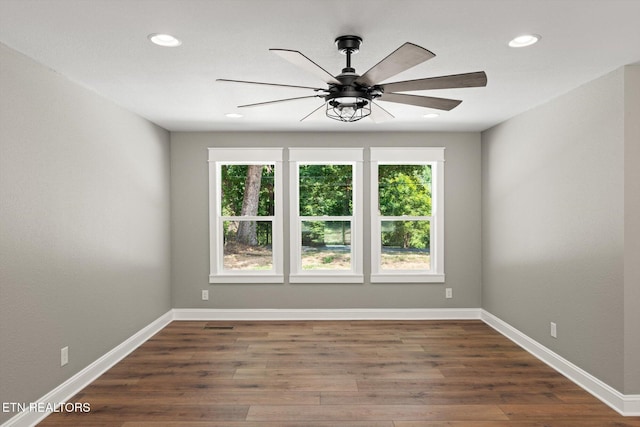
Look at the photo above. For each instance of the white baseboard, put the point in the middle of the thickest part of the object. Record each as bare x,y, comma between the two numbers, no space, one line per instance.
327,314
73,385
627,405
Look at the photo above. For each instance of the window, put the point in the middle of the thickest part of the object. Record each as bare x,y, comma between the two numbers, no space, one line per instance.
326,222
245,198
407,215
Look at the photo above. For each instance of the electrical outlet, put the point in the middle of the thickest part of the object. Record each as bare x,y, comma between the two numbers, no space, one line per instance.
205,295
554,330
448,293
64,356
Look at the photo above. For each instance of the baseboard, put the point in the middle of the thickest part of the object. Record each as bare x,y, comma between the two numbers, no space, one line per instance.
328,314
627,405
73,385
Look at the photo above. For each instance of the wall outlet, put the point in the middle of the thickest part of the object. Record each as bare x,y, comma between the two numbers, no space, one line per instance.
64,356
448,293
205,295
554,330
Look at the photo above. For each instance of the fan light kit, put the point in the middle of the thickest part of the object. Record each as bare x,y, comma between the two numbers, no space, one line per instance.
350,97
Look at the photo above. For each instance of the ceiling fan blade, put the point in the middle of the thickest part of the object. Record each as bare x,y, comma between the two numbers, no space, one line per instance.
421,101
315,114
379,114
406,56
298,59
453,81
257,104
269,84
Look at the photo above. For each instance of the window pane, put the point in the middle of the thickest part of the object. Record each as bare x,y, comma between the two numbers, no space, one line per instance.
326,245
247,245
247,190
326,190
406,245
404,190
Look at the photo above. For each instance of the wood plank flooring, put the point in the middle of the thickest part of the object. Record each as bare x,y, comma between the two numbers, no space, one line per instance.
335,374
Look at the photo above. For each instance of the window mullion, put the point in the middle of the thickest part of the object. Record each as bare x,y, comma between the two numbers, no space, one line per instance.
405,218
247,218
326,218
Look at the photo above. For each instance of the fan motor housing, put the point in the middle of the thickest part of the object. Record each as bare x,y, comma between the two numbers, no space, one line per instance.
347,92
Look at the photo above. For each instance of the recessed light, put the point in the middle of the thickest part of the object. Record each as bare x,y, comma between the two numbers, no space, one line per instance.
431,115
164,40
234,115
524,40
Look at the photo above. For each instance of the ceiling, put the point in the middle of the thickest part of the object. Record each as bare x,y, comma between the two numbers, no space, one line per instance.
103,45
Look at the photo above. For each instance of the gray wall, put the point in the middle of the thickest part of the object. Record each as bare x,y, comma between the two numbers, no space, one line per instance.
553,227
84,226
632,230
190,230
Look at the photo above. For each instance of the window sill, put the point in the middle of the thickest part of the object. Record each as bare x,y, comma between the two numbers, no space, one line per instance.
326,278
246,278
407,278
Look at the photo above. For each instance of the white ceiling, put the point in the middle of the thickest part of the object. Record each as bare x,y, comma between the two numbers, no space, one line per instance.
103,45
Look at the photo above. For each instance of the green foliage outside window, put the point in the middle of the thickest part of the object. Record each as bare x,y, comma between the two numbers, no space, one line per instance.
233,186
405,190
328,190
325,190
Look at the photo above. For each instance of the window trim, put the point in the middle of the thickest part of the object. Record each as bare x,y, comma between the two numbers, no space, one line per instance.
324,156
244,156
433,156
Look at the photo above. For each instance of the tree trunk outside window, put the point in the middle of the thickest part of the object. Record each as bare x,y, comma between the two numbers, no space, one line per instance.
248,230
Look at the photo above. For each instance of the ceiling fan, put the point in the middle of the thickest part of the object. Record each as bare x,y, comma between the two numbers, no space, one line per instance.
350,97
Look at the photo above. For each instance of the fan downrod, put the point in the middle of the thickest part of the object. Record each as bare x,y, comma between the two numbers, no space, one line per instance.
348,45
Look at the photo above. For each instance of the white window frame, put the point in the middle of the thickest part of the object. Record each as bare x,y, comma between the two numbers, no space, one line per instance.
244,156
324,156
433,156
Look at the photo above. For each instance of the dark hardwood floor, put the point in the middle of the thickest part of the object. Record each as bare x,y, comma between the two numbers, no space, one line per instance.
335,374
